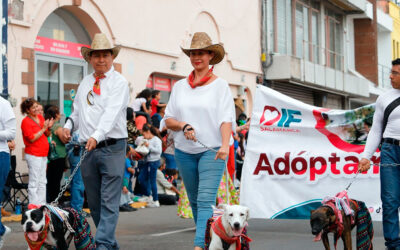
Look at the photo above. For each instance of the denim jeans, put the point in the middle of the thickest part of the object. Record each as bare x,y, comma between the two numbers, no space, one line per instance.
201,175
150,174
169,161
4,169
390,194
77,186
142,183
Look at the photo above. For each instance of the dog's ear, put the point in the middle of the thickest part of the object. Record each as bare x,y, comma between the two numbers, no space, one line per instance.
247,213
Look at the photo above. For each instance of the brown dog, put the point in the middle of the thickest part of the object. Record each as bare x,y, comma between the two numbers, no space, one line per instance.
324,220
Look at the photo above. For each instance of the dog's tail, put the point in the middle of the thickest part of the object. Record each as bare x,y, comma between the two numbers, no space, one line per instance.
365,230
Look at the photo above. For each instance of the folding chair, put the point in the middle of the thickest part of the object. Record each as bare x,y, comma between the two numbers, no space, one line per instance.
17,188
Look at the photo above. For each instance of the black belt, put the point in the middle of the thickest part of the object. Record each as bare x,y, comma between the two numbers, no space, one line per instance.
391,141
105,143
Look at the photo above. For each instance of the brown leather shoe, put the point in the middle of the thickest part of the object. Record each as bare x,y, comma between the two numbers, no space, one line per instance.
5,213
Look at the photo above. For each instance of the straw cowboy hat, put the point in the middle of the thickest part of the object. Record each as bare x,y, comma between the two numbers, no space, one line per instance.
100,42
202,41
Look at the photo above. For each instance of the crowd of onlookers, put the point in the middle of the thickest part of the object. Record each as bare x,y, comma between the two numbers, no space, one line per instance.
151,173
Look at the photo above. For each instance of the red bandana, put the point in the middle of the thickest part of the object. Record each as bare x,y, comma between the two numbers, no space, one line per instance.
202,81
220,231
41,238
96,85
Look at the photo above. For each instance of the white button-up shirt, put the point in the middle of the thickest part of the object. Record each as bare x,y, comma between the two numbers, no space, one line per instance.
7,124
106,117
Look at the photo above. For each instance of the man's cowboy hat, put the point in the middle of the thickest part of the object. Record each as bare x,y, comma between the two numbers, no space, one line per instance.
100,42
202,41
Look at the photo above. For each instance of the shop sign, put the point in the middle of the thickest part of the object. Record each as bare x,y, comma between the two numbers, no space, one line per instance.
149,82
58,47
162,84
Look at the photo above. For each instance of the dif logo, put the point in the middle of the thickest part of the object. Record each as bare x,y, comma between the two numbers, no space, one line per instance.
272,115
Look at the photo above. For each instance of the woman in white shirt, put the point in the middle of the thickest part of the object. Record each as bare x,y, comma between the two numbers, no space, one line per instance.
139,104
201,109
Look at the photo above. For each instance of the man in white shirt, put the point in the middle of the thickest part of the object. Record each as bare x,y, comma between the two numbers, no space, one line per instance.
7,132
100,116
389,135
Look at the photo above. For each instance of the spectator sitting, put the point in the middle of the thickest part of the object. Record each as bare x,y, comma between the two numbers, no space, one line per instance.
164,187
126,200
155,102
157,117
139,104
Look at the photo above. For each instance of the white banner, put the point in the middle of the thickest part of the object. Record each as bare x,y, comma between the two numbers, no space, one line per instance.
297,154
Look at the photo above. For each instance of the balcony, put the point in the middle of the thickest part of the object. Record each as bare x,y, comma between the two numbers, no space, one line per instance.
352,6
290,68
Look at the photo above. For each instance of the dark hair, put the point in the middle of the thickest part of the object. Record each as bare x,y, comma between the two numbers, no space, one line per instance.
51,112
129,113
146,94
26,105
148,127
396,61
171,171
155,93
242,116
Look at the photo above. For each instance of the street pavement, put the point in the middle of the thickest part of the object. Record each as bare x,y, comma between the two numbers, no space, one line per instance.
160,228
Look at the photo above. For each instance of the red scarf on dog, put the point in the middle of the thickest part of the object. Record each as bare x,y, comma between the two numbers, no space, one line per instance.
37,245
220,231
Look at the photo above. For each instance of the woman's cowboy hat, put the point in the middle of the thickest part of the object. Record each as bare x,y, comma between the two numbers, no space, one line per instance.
100,42
202,41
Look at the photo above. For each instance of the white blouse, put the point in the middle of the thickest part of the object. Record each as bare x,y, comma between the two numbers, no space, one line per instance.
205,108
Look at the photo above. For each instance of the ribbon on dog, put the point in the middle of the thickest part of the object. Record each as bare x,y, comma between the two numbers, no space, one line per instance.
38,237
220,231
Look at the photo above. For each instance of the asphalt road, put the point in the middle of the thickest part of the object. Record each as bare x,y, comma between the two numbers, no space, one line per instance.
160,228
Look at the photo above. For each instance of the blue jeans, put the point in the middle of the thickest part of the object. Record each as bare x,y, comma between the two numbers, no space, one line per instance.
201,175
150,174
4,169
77,186
143,185
170,161
390,194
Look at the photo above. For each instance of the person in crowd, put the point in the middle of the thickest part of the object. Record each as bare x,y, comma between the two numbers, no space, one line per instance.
164,187
99,113
201,109
7,189
152,161
40,109
124,204
74,152
240,156
388,135
169,152
157,117
56,165
133,131
155,103
139,104
35,130
7,133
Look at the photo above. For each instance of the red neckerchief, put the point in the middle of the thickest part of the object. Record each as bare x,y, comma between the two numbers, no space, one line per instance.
338,224
36,245
220,231
202,81
96,85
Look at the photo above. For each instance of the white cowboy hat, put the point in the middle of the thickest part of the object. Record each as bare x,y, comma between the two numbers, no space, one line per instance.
202,41
100,42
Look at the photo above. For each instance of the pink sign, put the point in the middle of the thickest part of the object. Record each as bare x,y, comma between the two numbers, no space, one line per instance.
63,48
149,82
162,84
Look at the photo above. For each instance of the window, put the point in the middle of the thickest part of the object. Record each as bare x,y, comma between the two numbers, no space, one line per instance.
334,40
282,23
394,49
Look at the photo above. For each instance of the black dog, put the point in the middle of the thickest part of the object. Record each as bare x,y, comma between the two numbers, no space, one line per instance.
323,220
35,223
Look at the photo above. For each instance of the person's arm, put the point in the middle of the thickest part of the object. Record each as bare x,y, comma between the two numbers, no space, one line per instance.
374,138
173,188
160,105
162,181
9,124
155,145
58,131
226,131
145,108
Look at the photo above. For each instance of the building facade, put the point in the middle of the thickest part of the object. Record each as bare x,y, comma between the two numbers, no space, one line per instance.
45,37
326,53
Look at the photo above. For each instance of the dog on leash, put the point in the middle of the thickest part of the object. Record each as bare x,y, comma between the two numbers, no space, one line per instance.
325,219
227,230
36,226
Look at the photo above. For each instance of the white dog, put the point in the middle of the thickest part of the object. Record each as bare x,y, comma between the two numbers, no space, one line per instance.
227,229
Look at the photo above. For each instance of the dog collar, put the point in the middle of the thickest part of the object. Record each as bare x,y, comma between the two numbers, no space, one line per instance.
37,245
220,231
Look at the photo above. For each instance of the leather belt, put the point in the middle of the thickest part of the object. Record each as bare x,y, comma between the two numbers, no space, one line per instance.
105,143
391,141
